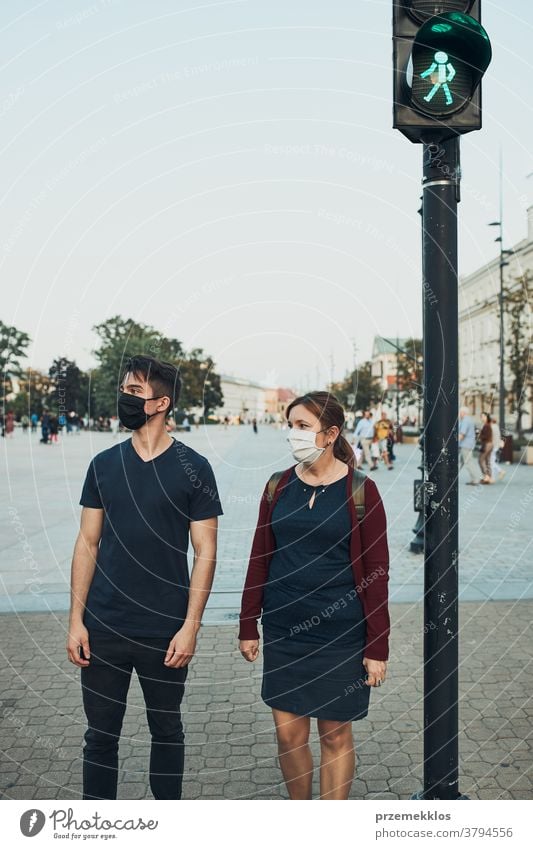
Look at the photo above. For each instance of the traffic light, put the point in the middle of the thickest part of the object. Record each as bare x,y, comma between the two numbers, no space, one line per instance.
440,53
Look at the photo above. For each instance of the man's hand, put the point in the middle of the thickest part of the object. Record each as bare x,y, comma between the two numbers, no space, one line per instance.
377,670
78,636
249,649
181,647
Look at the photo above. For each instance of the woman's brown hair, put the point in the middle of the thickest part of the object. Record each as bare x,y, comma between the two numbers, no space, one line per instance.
329,411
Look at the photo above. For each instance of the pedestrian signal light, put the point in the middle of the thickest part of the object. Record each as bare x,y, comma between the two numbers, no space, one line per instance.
440,55
450,54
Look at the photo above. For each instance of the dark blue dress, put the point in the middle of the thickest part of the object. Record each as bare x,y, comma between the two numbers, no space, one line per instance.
314,629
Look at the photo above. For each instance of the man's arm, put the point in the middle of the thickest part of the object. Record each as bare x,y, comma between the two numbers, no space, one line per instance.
82,573
204,542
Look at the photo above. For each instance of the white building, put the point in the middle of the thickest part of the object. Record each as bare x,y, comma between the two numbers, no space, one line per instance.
479,331
242,398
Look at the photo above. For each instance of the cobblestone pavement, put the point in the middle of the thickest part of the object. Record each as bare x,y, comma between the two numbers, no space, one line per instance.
231,750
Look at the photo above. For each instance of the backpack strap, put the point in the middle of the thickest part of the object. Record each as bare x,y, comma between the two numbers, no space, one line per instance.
358,493
358,490
273,484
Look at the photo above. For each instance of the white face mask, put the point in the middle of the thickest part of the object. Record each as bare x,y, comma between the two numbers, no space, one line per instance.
303,445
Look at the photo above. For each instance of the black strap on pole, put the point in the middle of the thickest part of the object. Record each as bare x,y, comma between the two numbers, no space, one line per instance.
439,260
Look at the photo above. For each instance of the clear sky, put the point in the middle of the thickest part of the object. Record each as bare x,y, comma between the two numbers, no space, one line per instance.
228,172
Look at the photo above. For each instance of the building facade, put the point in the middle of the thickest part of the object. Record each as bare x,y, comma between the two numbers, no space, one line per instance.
479,332
246,400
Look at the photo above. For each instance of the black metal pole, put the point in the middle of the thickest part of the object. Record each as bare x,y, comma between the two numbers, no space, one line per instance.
441,378
417,543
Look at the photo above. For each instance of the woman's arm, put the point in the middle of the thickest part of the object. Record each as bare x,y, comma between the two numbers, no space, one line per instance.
375,557
252,597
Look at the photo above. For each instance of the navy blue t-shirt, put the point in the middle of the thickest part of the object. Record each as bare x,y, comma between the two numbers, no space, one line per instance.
141,581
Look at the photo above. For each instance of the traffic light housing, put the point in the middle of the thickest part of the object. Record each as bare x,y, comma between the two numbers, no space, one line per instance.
440,53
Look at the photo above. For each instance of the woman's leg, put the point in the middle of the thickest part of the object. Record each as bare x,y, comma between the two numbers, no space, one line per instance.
337,762
484,460
488,461
295,757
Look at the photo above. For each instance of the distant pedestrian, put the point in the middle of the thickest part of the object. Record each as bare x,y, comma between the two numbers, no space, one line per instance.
358,454
485,437
54,429
374,453
364,433
390,444
467,442
10,424
497,471
45,427
34,421
357,418
114,425
383,429
25,422
254,425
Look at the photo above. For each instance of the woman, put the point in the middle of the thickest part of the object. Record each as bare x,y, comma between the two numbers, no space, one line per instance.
319,577
486,440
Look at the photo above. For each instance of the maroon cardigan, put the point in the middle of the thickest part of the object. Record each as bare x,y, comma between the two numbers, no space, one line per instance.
370,566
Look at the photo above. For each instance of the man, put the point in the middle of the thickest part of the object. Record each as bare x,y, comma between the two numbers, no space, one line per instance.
133,604
467,441
364,431
383,430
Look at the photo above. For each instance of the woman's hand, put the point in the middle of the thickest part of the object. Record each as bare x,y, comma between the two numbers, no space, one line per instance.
249,649
377,671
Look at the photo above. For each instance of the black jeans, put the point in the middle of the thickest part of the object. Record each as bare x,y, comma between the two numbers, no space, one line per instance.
105,683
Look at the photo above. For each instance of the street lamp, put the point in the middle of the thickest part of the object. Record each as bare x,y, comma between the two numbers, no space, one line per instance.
502,264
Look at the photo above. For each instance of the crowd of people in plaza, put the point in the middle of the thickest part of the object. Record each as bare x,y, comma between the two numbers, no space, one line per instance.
372,441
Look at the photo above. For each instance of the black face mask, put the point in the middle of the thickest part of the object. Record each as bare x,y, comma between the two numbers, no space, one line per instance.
131,410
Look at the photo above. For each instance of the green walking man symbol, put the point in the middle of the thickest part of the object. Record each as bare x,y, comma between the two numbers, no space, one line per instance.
441,72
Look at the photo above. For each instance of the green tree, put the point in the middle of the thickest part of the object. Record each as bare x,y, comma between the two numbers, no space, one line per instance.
411,371
34,393
517,300
200,383
359,390
71,387
13,345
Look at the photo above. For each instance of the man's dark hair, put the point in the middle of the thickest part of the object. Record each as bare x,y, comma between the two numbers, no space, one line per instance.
164,378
